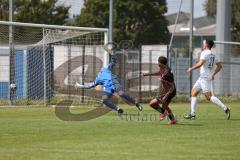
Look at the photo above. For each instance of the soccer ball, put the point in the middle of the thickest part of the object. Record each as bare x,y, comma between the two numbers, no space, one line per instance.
13,87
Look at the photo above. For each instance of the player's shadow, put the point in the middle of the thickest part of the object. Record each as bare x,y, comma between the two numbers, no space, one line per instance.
231,119
236,119
63,112
190,124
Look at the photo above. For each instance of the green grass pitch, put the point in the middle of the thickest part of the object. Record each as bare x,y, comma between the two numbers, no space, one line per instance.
37,134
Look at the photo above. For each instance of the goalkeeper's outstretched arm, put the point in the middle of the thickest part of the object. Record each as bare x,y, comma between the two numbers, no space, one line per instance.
89,86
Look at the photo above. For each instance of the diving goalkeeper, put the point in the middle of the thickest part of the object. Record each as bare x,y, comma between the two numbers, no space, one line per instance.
108,80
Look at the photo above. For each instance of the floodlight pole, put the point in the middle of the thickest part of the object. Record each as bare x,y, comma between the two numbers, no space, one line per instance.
223,33
110,21
191,42
44,70
171,40
109,33
11,54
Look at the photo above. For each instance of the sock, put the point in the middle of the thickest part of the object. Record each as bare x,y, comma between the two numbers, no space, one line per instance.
216,101
193,104
159,109
109,104
128,98
170,114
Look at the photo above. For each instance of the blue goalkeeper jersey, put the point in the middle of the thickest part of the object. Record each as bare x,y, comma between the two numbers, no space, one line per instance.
107,79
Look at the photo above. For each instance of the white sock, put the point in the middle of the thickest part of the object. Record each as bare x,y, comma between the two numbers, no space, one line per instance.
216,101
193,104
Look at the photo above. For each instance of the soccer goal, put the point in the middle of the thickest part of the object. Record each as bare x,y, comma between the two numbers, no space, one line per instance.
41,63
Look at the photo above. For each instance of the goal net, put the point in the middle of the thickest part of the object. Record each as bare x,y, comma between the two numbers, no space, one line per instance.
42,62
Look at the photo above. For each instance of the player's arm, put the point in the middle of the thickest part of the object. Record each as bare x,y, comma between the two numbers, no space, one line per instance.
196,66
89,86
152,74
218,68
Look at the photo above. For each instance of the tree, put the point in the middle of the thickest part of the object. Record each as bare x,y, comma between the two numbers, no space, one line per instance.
35,11
142,21
3,10
211,8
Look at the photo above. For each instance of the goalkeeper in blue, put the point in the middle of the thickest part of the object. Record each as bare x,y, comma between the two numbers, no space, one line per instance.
109,81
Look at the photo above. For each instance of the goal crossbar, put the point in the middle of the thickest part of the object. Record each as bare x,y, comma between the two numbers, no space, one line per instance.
52,26
227,42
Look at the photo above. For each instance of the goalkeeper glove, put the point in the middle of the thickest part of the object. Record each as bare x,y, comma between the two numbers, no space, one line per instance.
78,85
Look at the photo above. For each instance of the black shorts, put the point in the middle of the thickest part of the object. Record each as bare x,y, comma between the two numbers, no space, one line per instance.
170,97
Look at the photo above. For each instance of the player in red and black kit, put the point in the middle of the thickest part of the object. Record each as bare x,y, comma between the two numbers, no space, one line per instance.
166,92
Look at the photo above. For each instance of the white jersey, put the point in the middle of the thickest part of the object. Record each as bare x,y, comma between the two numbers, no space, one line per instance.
208,67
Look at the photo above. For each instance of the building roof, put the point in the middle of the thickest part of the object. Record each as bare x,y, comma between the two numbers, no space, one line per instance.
204,21
202,26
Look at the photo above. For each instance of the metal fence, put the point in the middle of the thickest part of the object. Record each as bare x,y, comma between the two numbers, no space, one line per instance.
48,60
227,80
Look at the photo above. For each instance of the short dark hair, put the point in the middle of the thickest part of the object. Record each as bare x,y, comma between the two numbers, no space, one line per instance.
209,43
162,60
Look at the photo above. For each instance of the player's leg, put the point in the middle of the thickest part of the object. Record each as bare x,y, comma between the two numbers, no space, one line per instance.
207,91
195,91
218,102
155,105
125,96
106,100
170,114
168,110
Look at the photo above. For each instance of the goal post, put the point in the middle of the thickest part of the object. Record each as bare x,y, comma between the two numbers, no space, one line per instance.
49,59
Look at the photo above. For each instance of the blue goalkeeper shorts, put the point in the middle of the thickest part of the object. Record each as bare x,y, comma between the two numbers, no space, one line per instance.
111,89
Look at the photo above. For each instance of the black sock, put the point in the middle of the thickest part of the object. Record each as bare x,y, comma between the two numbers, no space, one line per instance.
160,109
171,116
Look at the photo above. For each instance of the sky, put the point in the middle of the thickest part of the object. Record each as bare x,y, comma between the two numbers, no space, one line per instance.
173,6
76,5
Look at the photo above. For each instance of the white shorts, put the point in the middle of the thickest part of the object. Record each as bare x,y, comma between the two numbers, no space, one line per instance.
203,85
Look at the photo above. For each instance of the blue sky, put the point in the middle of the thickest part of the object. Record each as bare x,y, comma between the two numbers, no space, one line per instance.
173,6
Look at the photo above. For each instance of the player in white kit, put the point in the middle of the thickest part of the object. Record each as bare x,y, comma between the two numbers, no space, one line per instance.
207,63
